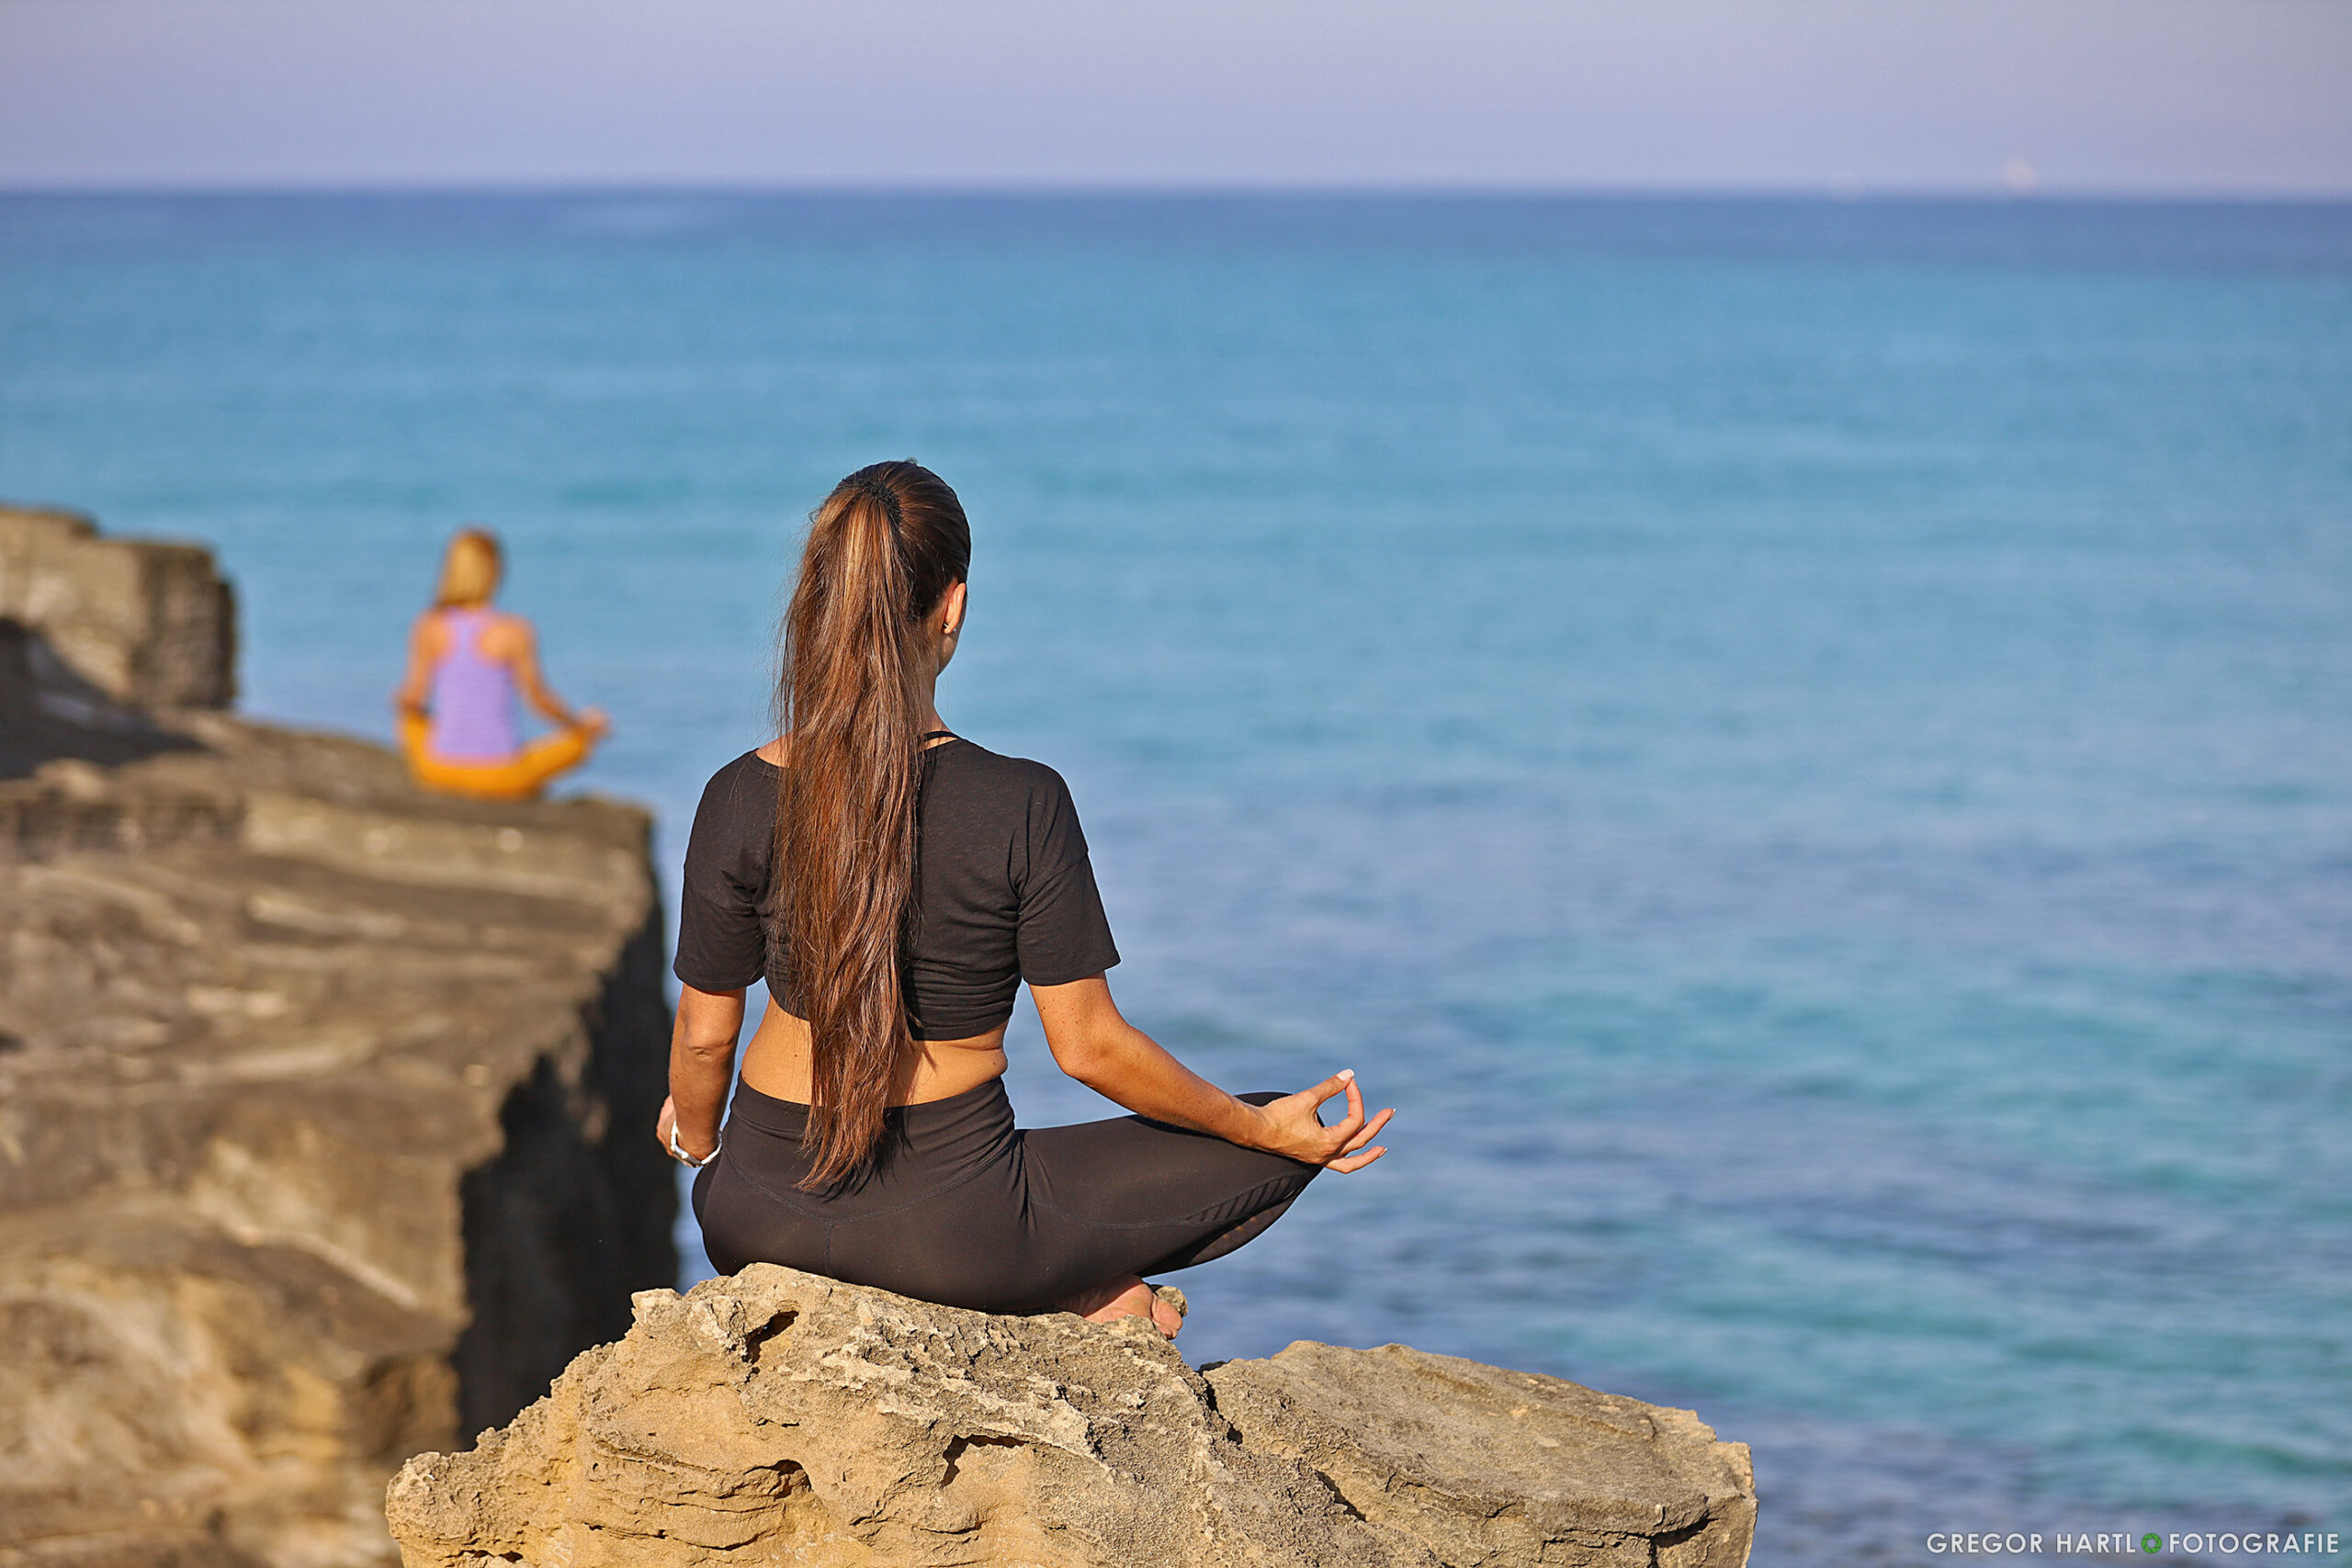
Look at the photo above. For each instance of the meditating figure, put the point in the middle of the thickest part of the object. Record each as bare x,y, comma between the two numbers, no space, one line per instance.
467,664
894,884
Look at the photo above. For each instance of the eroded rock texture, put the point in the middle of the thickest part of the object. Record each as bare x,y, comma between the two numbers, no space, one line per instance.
777,1417
321,1100
136,621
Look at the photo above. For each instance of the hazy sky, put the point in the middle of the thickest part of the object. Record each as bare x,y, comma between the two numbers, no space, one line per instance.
2252,96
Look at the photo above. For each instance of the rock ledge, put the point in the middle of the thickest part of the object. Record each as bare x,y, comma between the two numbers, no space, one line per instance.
322,1100
778,1417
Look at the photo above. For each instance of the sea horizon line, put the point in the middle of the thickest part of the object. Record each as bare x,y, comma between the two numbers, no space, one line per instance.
1239,192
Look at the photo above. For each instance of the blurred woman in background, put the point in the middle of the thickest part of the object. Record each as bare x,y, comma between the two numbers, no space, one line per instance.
467,665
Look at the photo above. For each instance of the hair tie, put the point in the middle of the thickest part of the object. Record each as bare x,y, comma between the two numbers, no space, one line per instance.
881,492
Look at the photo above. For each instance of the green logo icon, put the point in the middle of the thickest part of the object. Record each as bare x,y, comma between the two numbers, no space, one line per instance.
2151,1541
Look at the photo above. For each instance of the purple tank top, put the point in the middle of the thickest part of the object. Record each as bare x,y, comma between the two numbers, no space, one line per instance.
473,697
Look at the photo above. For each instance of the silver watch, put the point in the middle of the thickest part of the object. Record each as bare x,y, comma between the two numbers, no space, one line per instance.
680,1154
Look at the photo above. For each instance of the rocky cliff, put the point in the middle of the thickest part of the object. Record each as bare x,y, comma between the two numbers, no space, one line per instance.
778,1417
321,1100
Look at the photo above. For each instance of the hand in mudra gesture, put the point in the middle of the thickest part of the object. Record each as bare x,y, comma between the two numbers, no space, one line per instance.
1291,1127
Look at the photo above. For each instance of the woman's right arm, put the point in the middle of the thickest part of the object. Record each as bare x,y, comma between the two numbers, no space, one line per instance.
423,651
702,1064
1094,1044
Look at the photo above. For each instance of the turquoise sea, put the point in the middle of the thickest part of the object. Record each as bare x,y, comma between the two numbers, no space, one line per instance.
1806,748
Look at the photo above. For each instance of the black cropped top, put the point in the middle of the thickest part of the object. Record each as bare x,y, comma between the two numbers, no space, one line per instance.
1004,890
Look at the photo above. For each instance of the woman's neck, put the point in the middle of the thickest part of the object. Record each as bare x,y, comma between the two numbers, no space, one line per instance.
926,703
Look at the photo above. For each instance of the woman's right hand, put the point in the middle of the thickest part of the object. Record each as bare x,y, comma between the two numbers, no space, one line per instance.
1291,1126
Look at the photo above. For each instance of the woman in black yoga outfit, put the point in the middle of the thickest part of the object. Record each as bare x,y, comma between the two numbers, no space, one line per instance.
894,884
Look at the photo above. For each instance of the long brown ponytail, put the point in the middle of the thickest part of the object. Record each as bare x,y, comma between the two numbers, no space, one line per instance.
883,550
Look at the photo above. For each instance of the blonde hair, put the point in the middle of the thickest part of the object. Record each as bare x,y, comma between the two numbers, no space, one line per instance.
470,571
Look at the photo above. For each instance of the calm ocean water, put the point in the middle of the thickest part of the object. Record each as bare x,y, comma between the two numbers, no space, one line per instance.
1808,749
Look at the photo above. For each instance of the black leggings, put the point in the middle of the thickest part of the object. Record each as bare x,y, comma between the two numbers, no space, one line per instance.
964,1209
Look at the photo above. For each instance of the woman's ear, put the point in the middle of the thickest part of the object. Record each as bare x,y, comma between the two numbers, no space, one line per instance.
947,623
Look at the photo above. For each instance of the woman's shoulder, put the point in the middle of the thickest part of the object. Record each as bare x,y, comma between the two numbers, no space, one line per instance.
1023,775
752,765
1025,805
504,633
1016,790
743,789
731,849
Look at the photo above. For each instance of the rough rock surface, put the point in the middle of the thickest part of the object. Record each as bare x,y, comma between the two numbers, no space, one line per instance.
778,1417
138,621
322,1100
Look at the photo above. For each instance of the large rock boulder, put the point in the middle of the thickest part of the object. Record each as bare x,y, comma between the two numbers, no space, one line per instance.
778,1417
1487,1466
323,1102
140,622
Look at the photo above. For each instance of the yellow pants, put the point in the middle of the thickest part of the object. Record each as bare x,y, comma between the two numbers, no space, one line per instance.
519,777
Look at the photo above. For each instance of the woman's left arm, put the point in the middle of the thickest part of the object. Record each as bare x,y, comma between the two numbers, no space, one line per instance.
702,1064
523,658
1093,1043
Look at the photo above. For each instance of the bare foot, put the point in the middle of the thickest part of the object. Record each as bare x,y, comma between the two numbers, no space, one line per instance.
1127,1296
